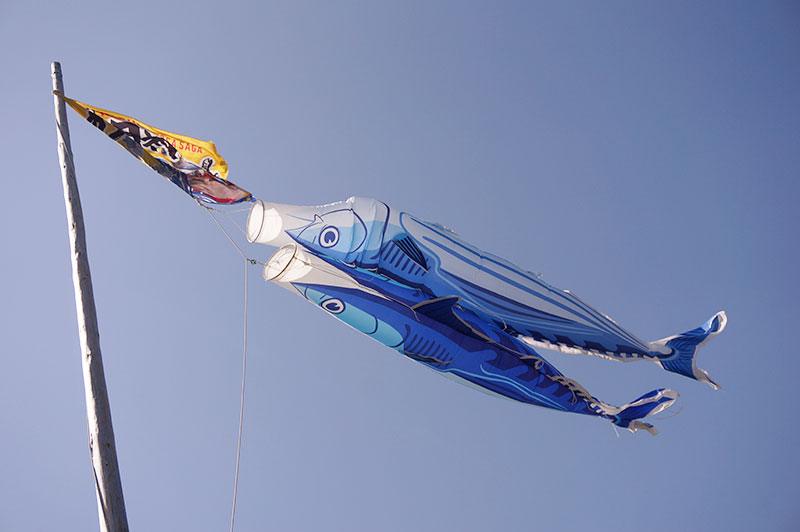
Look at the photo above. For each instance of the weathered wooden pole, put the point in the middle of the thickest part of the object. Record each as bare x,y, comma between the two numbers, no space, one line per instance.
110,503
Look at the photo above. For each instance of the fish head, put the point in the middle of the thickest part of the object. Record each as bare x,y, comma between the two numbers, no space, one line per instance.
367,314
337,234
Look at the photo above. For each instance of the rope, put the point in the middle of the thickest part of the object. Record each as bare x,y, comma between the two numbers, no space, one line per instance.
241,404
232,211
247,262
227,214
232,241
234,222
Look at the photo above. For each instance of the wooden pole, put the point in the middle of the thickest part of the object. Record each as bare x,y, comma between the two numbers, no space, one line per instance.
110,503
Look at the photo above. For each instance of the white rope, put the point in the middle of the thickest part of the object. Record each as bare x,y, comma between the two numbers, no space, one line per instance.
241,403
232,211
227,214
234,222
245,257
231,219
247,262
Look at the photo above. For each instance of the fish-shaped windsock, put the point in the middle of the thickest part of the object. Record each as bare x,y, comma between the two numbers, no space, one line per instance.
444,336
367,234
393,255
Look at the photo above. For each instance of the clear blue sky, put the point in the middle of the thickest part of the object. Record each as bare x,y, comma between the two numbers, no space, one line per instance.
643,155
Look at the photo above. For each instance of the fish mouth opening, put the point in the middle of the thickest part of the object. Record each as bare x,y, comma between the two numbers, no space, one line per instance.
286,265
263,224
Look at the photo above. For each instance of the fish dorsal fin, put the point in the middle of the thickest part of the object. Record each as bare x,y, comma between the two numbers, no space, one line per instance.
441,310
412,251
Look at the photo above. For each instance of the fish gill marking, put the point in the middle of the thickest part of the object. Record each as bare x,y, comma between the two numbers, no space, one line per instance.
412,341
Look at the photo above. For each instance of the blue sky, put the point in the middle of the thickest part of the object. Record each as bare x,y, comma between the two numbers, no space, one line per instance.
643,156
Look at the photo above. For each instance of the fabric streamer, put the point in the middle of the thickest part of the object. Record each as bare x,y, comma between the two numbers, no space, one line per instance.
193,165
418,288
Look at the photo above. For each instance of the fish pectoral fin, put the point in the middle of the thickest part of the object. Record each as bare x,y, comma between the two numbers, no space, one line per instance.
441,310
411,250
402,260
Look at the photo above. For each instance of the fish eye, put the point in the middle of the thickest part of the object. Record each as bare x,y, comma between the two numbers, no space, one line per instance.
329,236
334,306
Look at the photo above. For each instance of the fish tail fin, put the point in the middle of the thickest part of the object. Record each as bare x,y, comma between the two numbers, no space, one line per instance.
682,349
629,416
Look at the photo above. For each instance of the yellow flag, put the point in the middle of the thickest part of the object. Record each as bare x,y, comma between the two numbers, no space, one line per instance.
192,164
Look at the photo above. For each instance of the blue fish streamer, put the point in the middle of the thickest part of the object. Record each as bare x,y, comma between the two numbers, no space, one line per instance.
419,289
